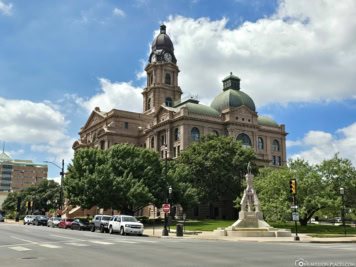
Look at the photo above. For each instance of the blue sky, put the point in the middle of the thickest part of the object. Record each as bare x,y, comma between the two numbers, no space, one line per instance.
60,59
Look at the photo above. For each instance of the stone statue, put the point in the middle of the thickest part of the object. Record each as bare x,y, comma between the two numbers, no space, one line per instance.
249,201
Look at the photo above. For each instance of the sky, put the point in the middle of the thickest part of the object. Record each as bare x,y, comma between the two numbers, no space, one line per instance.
60,59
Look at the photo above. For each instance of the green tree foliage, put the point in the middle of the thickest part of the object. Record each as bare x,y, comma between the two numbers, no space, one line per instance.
124,177
213,167
44,195
316,189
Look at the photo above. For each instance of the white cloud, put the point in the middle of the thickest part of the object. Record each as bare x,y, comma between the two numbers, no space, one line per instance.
37,124
119,12
5,9
317,145
117,95
304,52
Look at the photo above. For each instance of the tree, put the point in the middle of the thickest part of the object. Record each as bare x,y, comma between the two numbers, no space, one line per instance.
314,192
124,177
214,167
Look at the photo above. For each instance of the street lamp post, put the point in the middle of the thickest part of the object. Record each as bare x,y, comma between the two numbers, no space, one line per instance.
342,193
165,231
61,189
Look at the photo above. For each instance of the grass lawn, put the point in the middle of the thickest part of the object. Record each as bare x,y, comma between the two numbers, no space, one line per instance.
322,230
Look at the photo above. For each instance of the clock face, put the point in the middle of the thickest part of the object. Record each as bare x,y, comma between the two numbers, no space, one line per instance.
153,58
167,57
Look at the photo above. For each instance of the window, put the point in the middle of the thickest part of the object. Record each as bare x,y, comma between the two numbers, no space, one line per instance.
174,152
167,79
162,154
152,142
279,162
102,144
275,145
149,104
151,79
274,160
195,134
215,132
163,140
178,150
169,102
126,125
246,141
176,134
260,143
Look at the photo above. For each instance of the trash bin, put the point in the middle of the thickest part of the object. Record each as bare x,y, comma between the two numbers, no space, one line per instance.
179,228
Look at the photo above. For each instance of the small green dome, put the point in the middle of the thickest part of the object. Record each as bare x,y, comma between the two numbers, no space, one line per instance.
201,109
262,120
232,99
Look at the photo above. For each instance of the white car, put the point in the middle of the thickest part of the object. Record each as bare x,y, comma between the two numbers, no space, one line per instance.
125,224
28,219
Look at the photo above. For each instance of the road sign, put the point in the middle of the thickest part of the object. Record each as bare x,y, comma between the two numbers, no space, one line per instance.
166,208
295,216
294,207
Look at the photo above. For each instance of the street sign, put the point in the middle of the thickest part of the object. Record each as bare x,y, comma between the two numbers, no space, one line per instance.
166,208
295,216
294,207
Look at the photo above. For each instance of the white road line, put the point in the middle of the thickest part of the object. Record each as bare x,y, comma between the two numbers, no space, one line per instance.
101,242
145,241
19,248
124,241
49,246
68,237
77,244
24,240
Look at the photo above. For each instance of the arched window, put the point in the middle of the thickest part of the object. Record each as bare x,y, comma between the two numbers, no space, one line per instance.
275,145
152,142
167,79
149,104
169,102
176,134
215,132
195,134
246,141
260,143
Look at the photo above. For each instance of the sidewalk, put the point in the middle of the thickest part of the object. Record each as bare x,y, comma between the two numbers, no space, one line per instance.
207,235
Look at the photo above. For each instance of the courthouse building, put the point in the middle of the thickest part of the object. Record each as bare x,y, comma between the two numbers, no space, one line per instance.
166,118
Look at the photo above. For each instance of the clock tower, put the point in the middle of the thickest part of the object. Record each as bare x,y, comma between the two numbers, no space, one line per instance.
162,75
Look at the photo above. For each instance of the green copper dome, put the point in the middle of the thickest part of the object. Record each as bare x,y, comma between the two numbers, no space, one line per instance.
232,99
262,120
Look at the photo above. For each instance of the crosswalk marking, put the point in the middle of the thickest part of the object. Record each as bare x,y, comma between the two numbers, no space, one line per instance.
77,244
101,242
50,246
19,248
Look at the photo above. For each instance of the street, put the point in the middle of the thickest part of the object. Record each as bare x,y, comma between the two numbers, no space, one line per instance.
22,245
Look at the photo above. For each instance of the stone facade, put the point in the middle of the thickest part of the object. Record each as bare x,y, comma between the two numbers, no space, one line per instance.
169,120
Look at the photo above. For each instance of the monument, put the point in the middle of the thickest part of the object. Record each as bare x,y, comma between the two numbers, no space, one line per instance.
251,222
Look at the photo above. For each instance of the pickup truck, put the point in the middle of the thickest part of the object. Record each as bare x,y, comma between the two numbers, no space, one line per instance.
101,222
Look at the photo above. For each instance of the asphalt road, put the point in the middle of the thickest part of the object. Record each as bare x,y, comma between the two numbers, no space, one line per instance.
39,246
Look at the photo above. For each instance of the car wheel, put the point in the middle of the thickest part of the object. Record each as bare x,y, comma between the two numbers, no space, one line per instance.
122,231
111,231
102,229
24,223
92,228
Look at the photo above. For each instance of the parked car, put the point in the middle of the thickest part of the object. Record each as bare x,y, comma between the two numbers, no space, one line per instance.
125,224
53,222
101,222
80,224
40,220
2,219
28,219
65,223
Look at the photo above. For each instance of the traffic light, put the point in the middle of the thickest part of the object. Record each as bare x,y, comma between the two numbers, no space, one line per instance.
293,186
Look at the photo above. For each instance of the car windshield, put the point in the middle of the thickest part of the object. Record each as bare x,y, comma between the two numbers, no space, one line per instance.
129,219
57,219
43,217
69,220
106,218
83,221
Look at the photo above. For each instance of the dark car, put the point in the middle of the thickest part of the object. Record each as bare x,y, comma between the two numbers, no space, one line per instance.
80,224
40,220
